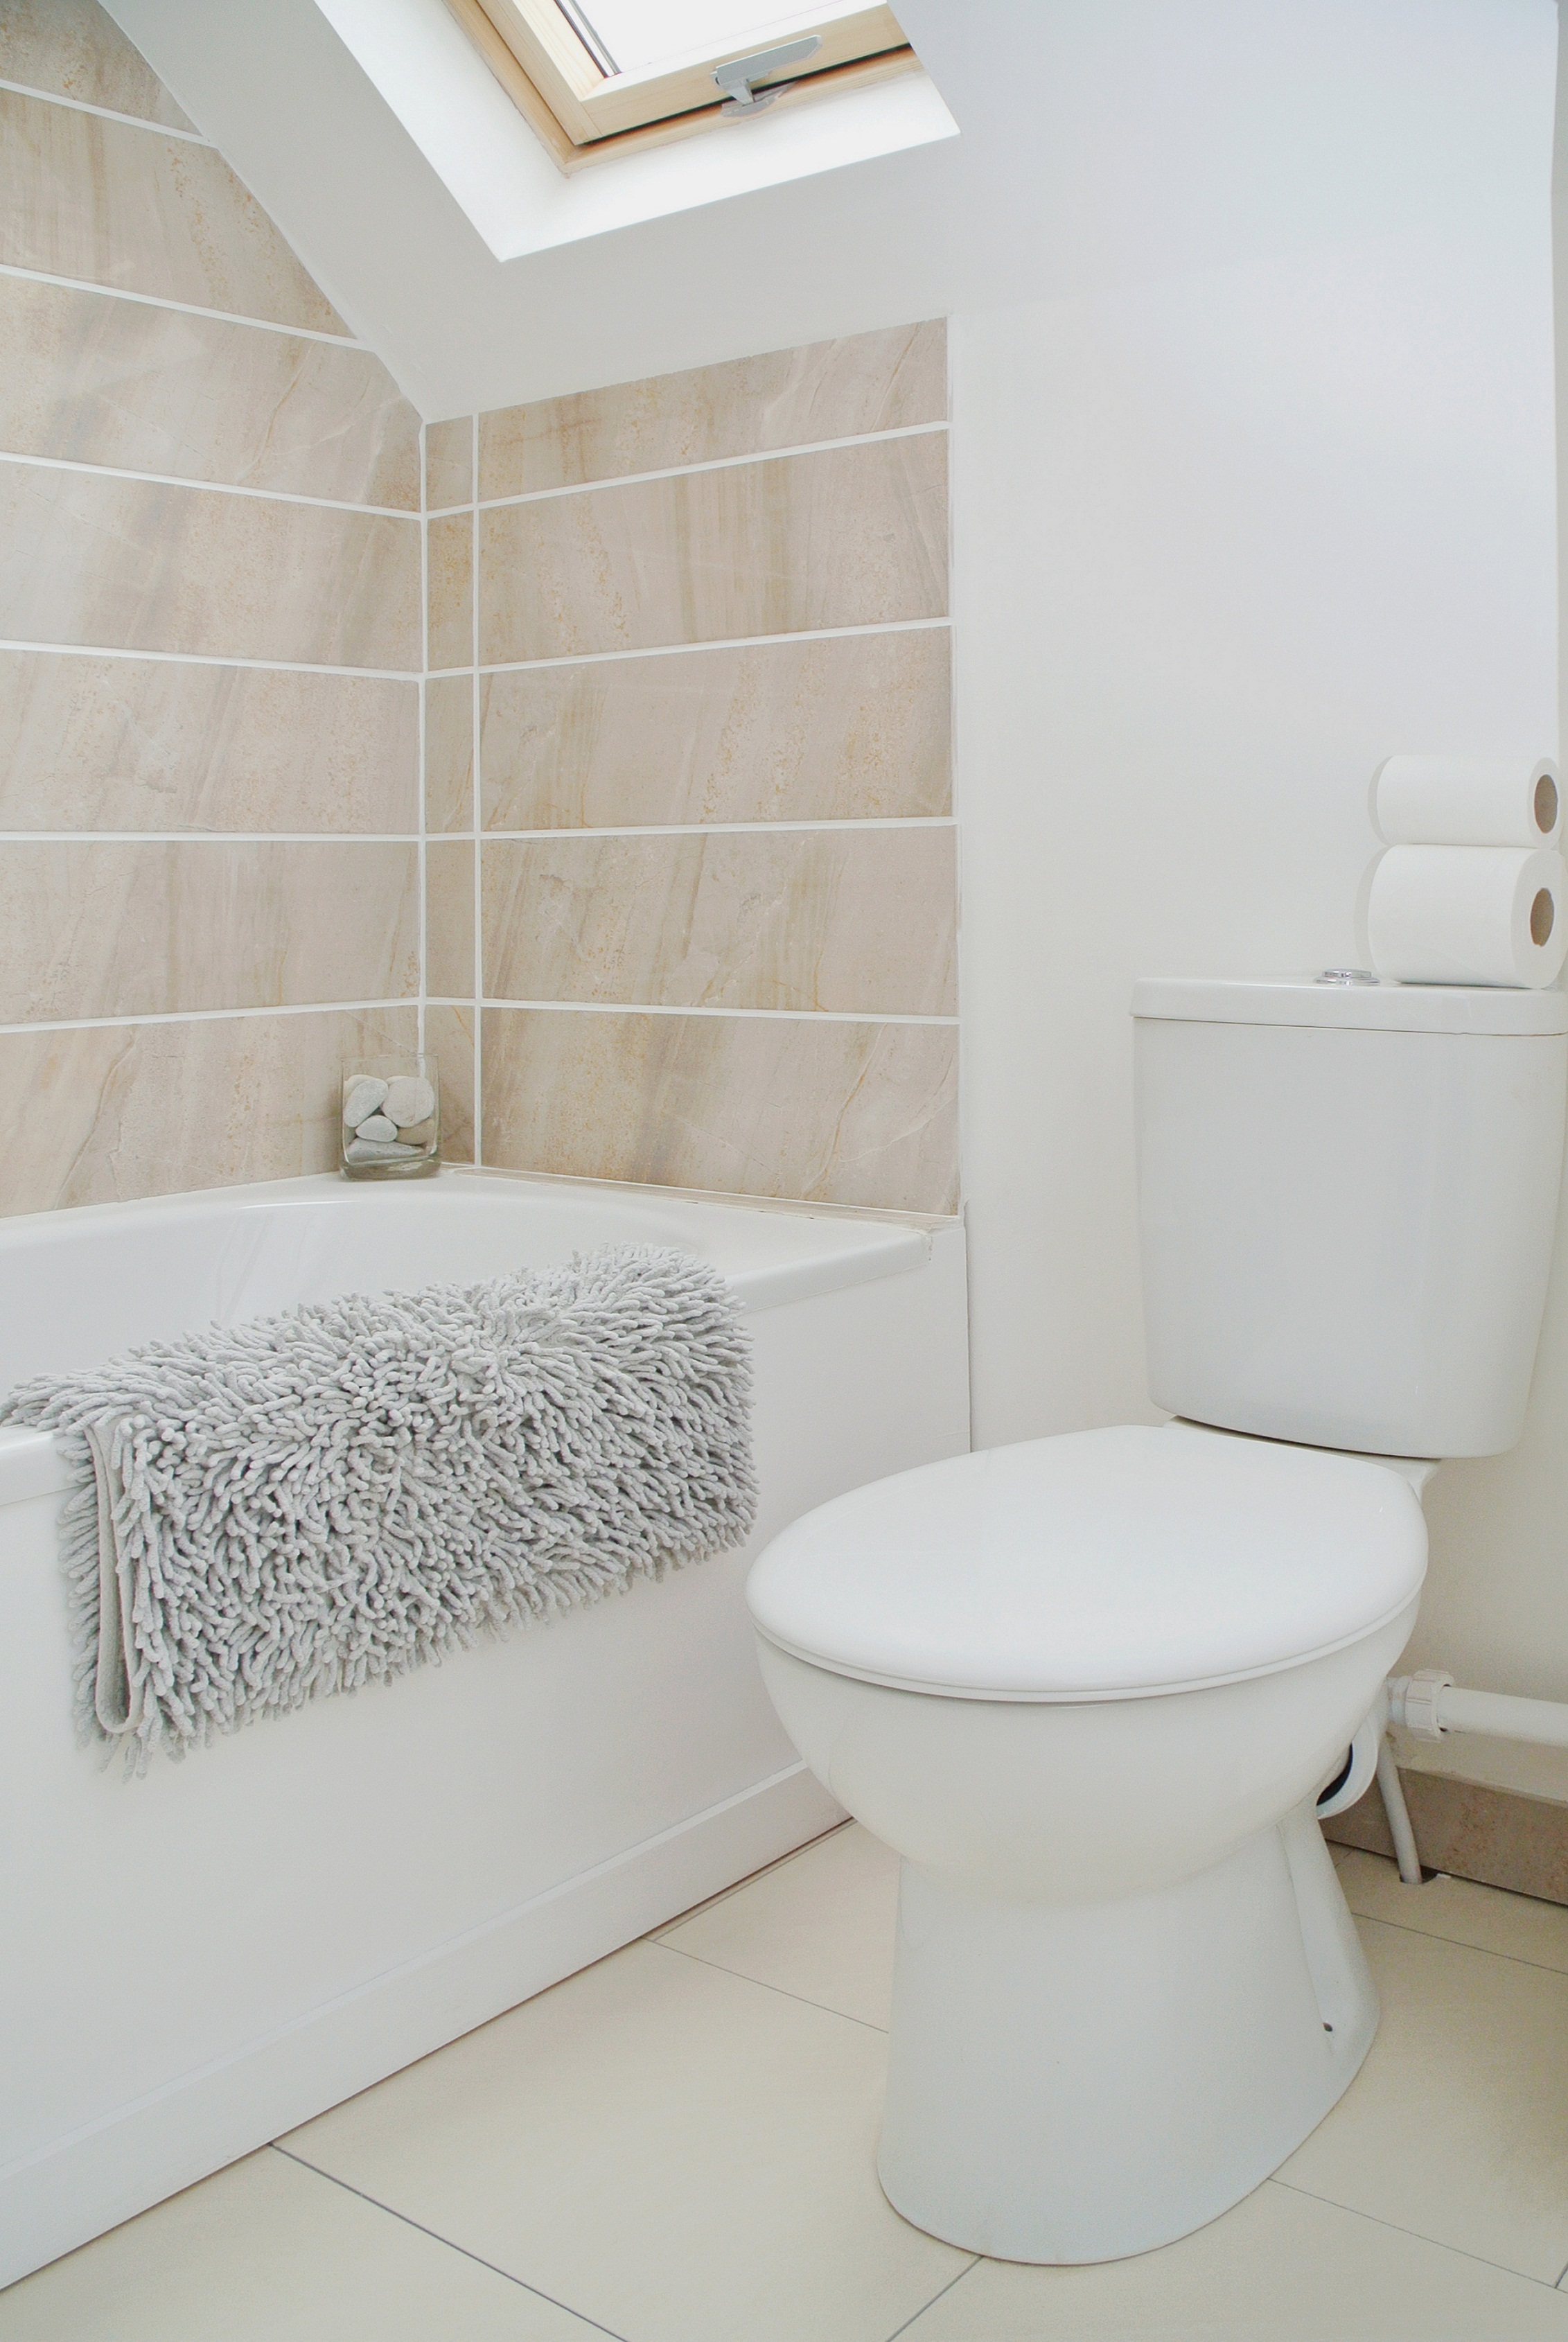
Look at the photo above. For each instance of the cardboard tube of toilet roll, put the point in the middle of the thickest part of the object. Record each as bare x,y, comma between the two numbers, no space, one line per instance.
1468,915
1447,801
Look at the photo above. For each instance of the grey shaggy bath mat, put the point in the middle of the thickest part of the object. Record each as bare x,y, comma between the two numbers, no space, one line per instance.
266,1512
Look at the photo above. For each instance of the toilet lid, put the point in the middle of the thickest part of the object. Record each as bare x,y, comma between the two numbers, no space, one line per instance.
1096,1565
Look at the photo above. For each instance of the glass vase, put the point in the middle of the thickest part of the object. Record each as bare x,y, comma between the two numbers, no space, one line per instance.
390,1118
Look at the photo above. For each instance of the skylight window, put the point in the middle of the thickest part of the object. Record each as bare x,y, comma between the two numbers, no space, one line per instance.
596,76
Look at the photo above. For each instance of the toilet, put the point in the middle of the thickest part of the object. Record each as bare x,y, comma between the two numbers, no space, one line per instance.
1090,1687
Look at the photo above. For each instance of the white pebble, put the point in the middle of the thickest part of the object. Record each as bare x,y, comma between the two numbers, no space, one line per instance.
377,1126
409,1099
378,1150
363,1097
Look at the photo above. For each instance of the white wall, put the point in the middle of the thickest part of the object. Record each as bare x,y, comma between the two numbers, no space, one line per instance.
1226,536
1255,483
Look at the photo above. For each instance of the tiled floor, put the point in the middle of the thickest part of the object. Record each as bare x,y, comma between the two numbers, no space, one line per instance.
676,2145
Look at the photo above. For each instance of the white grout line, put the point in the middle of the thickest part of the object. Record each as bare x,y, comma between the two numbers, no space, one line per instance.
214,658
424,777
1408,1928
666,1008
940,2295
731,828
1377,2220
580,2316
203,1015
475,783
107,113
87,836
423,998
801,1999
718,643
187,308
206,487
715,464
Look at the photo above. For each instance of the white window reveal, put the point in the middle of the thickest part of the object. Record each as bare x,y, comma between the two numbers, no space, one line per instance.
675,102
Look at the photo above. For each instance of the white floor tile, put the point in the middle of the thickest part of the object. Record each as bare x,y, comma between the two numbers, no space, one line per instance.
820,1926
1280,2268
264,2252
1517,1925
1456,2127
673,2150
679,2143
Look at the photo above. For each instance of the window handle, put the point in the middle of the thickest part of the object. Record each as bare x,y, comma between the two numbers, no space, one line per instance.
737,79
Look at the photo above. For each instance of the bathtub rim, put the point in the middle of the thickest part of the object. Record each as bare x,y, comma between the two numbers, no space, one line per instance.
30,1461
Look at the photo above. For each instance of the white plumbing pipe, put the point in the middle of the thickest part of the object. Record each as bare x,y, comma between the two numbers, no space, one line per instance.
1544,1721
1398,1813
1431,1704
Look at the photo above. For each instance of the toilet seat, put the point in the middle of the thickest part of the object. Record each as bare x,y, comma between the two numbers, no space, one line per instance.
1099,1565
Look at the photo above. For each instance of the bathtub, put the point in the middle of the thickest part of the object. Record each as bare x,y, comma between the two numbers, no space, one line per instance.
197,1960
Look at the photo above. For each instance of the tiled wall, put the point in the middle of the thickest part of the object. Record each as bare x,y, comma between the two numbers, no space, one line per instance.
692,892
690,888
210,654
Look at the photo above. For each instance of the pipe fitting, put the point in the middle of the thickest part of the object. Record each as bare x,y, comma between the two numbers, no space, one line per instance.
1414,1701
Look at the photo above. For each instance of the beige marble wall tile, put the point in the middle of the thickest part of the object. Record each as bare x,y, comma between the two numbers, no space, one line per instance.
827,390
825,1111
111,203
71,46
121,1111
91,378
127,564
449,1038
142,744
850,536
1468,1829
449,752
856,920
835,727
114,929
449,918
449,463
451,591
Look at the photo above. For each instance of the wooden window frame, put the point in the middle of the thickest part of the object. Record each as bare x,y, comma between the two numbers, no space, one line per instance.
583,115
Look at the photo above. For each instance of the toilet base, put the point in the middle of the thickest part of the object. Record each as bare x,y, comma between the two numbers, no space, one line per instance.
1081,2082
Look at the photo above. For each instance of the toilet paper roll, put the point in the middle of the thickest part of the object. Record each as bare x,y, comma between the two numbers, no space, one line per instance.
1468,915
1446,801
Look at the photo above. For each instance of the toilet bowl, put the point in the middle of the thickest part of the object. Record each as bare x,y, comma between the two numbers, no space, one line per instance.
1088,1688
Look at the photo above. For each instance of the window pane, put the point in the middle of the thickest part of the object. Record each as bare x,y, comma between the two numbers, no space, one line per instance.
639,32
